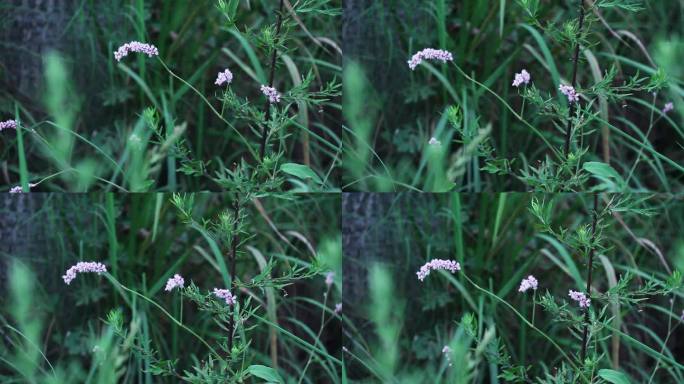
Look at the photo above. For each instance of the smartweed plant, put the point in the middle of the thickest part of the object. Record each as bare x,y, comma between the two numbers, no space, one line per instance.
265,107
234,312
519,95
478,316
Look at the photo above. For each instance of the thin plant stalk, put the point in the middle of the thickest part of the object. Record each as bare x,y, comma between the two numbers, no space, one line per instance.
318,335
585,329
271,79
233,249
575,62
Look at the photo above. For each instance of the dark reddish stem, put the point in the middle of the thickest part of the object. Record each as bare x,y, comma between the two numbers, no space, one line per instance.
233,255
575,60
585,330
271,78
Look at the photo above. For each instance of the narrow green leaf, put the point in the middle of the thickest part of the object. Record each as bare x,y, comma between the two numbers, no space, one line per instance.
266,373
614,377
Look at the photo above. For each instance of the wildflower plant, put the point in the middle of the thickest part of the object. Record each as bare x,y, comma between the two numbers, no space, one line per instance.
259,105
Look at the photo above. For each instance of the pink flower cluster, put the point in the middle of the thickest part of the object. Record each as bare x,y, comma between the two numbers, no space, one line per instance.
272,94
569,91
83,267
9,124
436,264
580,298
669,107
529,282
135,46
429,54
522,78
225,295
225,77
176,281
338,308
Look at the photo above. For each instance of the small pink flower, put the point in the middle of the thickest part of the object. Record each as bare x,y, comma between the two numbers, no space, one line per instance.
83,267
176,281
669,107
569,91
580,298
135,46
224,77
521,78
436,264
272,94
529,282
9,124
429,54
225,295
338,308
329,278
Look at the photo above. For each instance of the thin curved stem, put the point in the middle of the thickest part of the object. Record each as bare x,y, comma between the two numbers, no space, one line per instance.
113,280
547,337
231,126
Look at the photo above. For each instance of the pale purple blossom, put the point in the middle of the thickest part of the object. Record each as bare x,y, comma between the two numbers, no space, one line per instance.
338,308
329,278
135,46
580,298
9,124
522,78
19,189
83,267
176,281
429,54
669,107
529,282
436,264
225,295
569,91
434,142
272,94
225,77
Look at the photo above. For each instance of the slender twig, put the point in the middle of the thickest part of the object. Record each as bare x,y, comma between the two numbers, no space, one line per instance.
574,78
271,77
585,329
233,249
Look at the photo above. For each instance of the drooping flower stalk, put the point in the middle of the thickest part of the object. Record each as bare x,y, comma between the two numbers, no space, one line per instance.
83,267
135,46
9,124
575,62
429,54
585,329
271,78
436,264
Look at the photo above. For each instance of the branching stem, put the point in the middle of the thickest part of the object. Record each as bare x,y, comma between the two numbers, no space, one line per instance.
575,61
271,78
